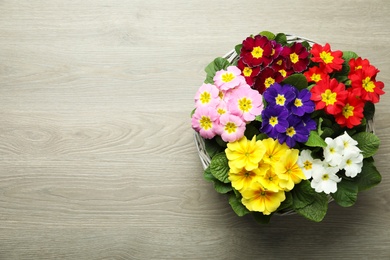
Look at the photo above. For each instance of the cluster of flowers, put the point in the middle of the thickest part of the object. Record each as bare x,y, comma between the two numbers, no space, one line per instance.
225,107
264,62
287,114
341,153
265,176
345,104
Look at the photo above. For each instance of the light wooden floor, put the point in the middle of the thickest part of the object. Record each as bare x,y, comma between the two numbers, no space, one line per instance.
97,159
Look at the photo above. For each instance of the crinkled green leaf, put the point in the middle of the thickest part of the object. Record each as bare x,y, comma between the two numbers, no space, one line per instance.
308,203
346,194
347,55
221,187
369,176
237,206
268,34
207,175
212,147
367,142
219,167
238,48
281,38
297,80
315,140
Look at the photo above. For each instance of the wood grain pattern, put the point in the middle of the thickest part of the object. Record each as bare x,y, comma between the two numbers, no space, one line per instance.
97,159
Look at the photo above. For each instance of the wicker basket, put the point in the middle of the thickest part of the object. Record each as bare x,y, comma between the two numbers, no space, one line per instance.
200,143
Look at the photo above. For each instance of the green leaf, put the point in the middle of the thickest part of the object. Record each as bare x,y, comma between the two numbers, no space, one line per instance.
308,203
281,38
237,206
261,218
347,55
287,203
346,194
367,142
315,140
216,65
207,175
261,137
212,147
238,48
297,80
306,45
221,187
369,110
219,167
369,176
251,131
268,34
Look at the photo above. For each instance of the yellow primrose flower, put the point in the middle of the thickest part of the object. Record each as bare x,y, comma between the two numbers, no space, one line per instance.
269,179
288,170
244,154
273,150
243,179
257,198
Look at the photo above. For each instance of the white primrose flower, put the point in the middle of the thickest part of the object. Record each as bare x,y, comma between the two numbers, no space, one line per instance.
325,179
307,163
333,152
352,164
349,144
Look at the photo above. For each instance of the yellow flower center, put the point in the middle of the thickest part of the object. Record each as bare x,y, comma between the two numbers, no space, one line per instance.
290,131
332,150
279,62
326,57
368,84
349,162
307,165
245,104
227,77
221,95
273,120
230,127
315,77
348,110
280,99
205,97
283,73
205,122
329,97
221,111
294,57
358,67
247,71
257,52
325,177
298,102
268,82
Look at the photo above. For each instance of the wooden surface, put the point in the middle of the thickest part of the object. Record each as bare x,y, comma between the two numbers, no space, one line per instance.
97,159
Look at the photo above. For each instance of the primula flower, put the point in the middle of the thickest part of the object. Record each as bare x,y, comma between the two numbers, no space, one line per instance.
207,95
302,103
249,73
273,150
256,51
351,113
229,78
296,132
280,66
309,123
357,64
352,164
330,95
246,103
243,179
333,152
270,180
349,144
364,84
257,198
297,56
244,153
231,127
274,121
278,95
325,179
204,121
329,60
288,170
276,49
307,163
266,78
314,74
